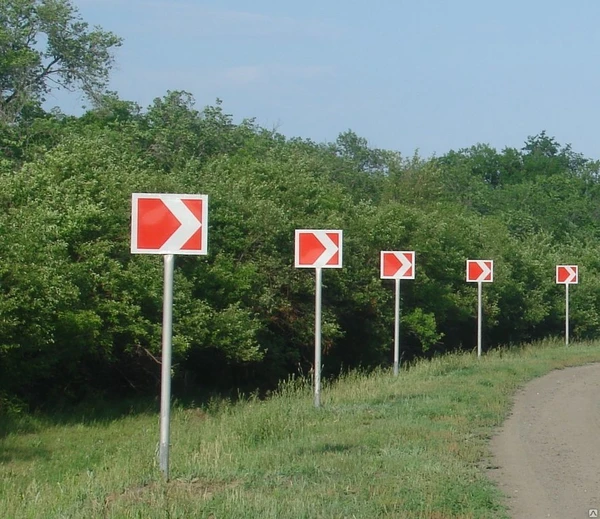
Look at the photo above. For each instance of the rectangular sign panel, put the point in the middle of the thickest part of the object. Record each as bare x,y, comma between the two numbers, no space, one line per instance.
567,274
165,223
318,248
480,271
397,265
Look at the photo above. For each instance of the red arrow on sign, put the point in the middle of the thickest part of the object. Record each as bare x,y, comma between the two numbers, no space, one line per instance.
480,271
318,248
567,274
169,223
397,265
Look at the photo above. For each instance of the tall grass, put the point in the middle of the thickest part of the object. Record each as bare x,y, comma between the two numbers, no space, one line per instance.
414,446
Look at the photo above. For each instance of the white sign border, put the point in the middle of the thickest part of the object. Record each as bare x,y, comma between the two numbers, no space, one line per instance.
169,196
395,252
482,281
568,282
297,233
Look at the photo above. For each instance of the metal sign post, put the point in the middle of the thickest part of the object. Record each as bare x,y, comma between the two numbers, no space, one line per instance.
397,329
165,378
318,284
479,316
567,314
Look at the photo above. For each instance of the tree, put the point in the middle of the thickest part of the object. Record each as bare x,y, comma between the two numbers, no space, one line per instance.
45,45
544,156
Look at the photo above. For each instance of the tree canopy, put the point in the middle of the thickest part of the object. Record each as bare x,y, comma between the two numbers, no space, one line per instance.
44,45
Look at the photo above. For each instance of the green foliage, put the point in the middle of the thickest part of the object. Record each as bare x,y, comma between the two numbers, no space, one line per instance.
423,326
79,314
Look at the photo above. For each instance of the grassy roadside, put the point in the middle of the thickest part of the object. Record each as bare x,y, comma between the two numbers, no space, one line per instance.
408,447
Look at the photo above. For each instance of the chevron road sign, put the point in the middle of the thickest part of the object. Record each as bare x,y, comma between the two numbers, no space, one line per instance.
318,248
164,223
567,274
480,271
168,224
397,265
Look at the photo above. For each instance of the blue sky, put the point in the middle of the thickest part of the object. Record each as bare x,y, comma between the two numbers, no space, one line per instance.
431,75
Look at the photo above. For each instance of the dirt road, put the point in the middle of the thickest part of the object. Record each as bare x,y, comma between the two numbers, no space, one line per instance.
548,451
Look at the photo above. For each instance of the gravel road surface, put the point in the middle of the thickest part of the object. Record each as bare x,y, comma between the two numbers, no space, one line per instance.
547,454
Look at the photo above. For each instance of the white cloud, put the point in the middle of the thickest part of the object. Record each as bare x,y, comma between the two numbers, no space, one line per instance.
187,18
247,24
243,75
248,74
218,82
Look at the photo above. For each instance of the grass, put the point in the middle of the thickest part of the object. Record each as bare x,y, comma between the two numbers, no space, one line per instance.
413,447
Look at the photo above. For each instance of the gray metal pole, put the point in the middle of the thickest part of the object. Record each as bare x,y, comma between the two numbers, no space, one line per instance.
397,329
479,317
319,277
567,315
165,393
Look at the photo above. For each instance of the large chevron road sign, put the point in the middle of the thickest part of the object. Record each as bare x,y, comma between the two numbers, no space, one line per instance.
397,265
169,224
480,271
318,248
